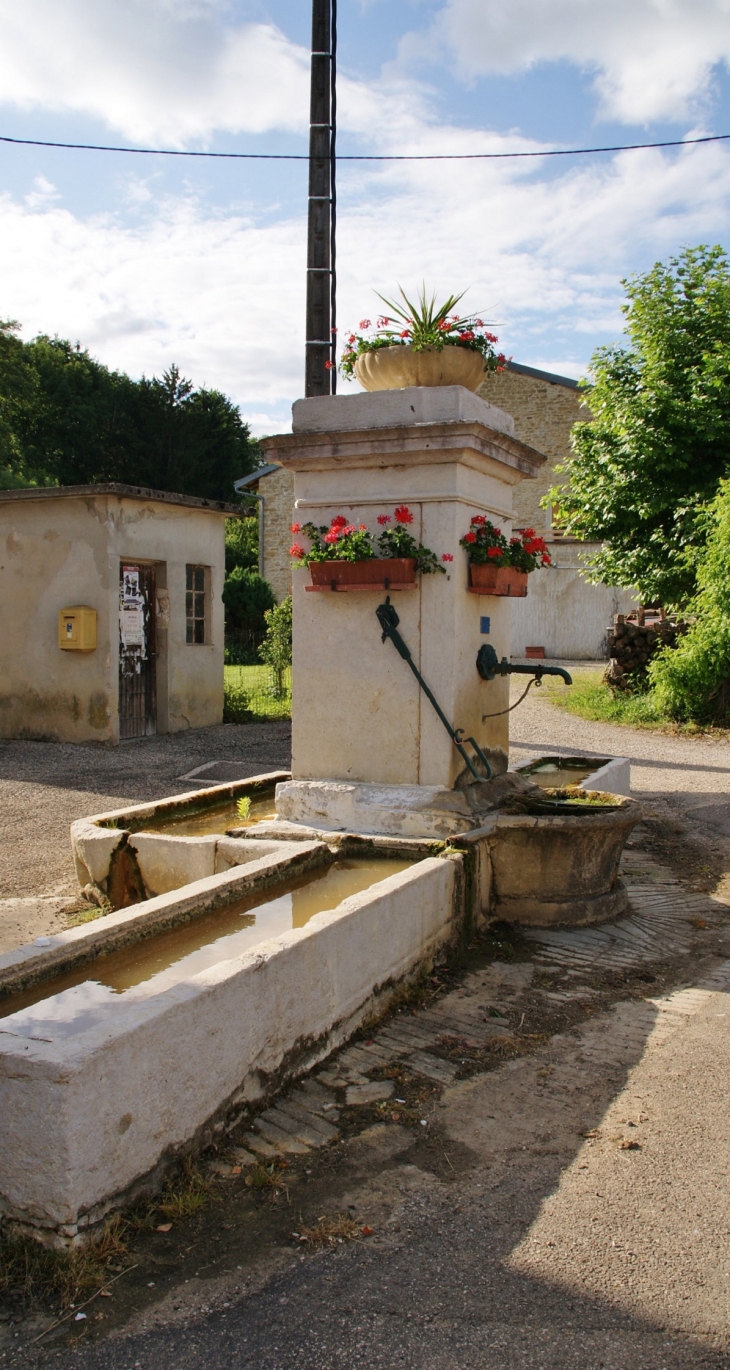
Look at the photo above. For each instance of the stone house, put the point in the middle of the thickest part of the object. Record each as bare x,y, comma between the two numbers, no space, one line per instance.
562,612
112,612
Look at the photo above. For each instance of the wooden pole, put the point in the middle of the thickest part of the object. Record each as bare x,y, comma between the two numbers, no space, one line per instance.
320,349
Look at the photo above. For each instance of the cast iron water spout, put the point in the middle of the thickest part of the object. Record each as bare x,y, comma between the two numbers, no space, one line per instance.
389,620
489,666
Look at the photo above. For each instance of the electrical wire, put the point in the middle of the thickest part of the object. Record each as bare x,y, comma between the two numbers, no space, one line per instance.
368,156
333,195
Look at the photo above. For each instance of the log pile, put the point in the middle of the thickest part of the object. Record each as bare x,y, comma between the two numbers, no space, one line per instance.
631,646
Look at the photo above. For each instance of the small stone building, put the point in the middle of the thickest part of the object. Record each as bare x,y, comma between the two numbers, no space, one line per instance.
112,612
562,612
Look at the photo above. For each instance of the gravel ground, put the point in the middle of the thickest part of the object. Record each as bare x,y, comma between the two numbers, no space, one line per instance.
44,786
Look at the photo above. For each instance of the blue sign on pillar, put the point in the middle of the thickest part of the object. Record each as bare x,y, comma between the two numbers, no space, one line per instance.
484,625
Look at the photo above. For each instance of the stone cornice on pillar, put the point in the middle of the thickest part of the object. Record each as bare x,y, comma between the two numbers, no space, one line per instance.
418,426
471,443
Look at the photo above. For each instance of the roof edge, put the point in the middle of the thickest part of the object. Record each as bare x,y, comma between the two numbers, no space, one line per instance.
139,492
550,376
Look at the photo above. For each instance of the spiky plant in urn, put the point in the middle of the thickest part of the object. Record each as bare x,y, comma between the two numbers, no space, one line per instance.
421,344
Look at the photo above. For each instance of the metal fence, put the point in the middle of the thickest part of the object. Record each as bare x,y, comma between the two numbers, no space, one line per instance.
256,692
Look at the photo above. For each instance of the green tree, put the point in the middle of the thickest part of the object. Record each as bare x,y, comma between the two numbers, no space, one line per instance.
648,465
66,419
242,543
692,680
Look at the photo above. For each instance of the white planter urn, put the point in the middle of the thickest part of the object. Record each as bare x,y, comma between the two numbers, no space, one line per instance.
394,368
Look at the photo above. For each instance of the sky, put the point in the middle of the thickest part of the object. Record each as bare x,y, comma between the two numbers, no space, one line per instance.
149,261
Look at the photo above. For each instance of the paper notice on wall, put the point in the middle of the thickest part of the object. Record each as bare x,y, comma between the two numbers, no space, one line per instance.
132,624
130,583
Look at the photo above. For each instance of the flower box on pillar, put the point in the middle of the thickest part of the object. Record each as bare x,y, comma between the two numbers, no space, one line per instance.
368,749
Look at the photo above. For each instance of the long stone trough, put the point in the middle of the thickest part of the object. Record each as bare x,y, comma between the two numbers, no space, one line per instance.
92,1110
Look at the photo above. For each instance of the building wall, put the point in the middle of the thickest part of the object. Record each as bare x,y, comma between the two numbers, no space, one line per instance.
60,551
562,612
278,492
544,413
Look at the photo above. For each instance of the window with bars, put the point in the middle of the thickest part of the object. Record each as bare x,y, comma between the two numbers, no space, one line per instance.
195,603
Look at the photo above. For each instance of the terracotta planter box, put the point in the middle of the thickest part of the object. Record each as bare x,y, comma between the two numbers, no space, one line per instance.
394,573
497,580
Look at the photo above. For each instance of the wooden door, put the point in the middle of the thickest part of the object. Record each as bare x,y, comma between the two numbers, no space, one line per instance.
137,650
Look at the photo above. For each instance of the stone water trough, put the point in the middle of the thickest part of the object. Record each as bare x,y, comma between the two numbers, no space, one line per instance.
136,1037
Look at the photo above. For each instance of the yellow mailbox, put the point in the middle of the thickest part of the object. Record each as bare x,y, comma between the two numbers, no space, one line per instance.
77,628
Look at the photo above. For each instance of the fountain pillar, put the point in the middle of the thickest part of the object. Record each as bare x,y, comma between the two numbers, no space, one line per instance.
359,717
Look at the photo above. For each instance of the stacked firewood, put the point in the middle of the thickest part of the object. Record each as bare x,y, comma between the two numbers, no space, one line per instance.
631,646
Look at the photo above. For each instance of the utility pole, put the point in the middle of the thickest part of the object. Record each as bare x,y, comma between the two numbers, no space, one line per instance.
320,379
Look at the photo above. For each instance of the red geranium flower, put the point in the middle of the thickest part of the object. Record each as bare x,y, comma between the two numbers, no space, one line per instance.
494,551
528,533
364,323
406,333
479,519
363,528
296,528
446,556
470,537
328,366
403,514
349,528
546,558
332,537
383,518
382,322
339,521
295,550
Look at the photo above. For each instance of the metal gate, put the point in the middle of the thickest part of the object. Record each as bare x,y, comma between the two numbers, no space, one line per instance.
137,654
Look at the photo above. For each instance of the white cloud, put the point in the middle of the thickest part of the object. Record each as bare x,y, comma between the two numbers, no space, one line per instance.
652,59
224,298
150,69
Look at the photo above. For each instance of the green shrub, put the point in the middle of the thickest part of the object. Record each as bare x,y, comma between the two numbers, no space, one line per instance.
246,596
276,648
691,682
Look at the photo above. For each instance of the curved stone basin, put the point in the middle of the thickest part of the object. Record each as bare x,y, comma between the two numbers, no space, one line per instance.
557,864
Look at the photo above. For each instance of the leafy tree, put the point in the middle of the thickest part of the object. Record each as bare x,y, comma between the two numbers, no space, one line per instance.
650,462
66,419
692,680
242,543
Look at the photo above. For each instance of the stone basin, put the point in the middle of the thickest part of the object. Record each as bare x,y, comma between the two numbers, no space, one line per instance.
557,864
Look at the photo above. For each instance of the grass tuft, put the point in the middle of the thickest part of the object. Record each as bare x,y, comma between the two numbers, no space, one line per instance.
31,1273
185,1193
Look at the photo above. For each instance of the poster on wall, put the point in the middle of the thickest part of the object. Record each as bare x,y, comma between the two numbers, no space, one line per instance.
131,610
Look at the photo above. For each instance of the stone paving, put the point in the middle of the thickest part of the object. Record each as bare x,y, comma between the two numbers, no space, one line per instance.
660,927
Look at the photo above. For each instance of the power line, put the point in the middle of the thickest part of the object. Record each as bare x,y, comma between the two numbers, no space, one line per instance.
368,156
